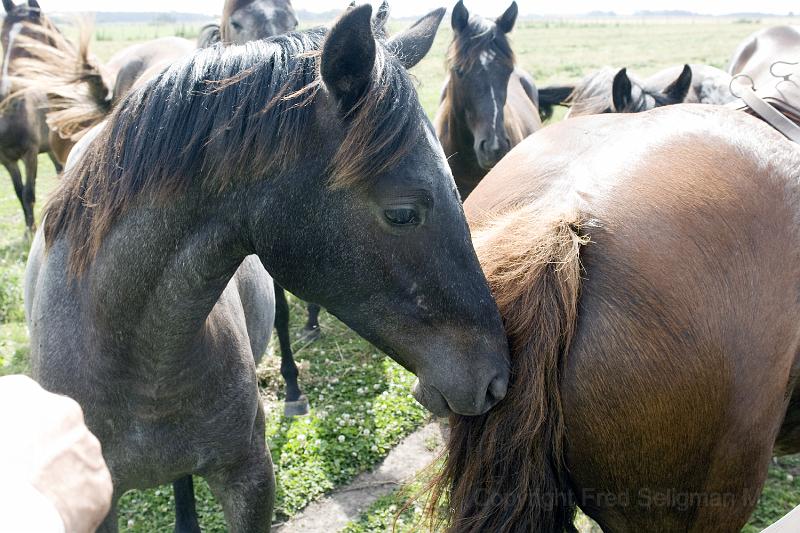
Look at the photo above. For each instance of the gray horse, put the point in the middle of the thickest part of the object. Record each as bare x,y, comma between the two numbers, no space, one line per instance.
249,20
137,287
23,130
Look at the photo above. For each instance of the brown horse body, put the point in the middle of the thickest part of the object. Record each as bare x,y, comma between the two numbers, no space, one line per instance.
23,130
81,91
488,105
756,55
653,366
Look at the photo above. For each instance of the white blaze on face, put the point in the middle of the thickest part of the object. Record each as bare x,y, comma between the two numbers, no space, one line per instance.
486,58
12,35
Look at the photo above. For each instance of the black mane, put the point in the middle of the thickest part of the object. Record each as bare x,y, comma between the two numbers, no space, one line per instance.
227,114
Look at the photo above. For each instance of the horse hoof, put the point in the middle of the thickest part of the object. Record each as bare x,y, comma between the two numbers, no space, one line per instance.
296,408
310,335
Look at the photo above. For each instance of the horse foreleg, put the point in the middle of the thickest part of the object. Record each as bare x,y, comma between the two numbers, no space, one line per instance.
56,163
295,402
185,509
246,490
16,179
29,192
311,330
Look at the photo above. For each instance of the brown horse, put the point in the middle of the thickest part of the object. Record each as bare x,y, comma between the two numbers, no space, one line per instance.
756,55
617,91
81,91
488,104
23,130
648,279
249,20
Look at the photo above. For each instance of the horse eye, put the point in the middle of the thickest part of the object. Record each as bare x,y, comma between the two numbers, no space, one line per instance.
236,26
402,217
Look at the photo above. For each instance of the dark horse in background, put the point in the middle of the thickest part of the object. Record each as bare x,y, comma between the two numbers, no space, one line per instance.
648,281
23,129
756,55
488,105
618,91
249,20
147,289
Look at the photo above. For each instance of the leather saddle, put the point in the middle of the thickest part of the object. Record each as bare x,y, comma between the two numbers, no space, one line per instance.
779,106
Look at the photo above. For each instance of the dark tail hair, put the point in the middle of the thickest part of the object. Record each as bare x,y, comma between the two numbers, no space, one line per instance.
504,471
552,96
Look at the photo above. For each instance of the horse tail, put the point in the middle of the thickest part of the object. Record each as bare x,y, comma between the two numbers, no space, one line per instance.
505,470
79,91
552,96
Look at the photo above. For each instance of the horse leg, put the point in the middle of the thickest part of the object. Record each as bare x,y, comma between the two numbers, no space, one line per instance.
788,441
296,403
185,509
56,163
16,179
246,490
311,330
29,193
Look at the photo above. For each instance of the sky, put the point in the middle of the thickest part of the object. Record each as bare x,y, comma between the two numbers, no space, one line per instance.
415,7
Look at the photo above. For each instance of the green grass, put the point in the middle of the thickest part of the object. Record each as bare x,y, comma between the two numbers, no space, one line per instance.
308,454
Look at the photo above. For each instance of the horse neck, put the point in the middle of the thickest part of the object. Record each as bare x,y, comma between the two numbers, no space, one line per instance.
159,274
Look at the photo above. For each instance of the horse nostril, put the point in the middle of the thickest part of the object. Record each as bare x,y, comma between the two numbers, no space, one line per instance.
497,391
508,143
482,146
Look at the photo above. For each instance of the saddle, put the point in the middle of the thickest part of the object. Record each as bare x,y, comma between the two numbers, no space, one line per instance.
778,106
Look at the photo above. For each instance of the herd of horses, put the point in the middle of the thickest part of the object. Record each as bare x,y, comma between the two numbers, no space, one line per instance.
610,317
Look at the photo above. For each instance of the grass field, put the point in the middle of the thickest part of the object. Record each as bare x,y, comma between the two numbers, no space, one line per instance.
361,407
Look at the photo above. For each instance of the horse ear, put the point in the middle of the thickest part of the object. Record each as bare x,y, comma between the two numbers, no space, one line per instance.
380,19
34,4
348,56
9,5
508,19
622,91
411,46
351,5
460,17
679,89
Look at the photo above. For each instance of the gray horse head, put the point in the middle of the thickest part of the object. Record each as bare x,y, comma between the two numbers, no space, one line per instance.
251,20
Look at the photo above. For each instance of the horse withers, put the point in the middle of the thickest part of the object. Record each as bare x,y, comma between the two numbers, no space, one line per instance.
648,281
134,294
23,129
488,104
